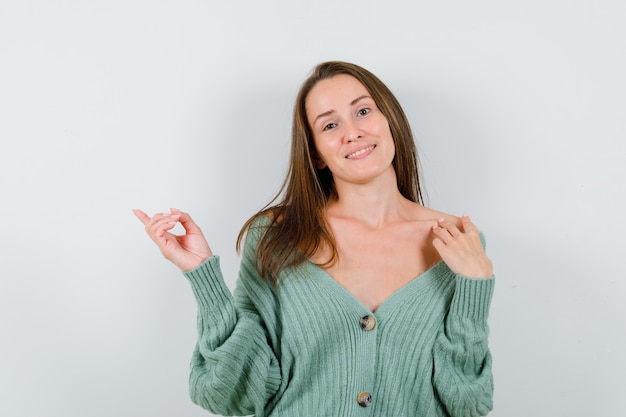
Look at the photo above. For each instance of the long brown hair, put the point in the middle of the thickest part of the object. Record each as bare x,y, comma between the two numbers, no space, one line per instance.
297,227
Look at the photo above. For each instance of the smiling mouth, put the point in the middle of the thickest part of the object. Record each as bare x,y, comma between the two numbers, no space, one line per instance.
360,152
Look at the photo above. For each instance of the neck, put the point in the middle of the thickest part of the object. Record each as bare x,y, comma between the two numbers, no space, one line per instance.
375,203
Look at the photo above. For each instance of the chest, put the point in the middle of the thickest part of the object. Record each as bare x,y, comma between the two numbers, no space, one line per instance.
373,265
317,313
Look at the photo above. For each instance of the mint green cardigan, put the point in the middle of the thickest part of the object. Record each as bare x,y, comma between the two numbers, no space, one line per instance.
309,348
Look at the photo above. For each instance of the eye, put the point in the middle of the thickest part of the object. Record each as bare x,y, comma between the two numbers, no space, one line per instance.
329,126
363,111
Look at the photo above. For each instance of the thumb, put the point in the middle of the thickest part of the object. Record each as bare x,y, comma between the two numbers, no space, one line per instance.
187,222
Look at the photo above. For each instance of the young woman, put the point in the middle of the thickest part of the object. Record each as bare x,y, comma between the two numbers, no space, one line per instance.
353,298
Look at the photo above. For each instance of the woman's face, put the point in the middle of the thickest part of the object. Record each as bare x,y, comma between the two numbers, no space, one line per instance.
351,135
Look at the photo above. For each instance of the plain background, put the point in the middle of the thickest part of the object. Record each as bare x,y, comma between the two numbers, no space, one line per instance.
519,110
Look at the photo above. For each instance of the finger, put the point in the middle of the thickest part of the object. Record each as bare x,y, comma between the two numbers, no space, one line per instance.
439,246
187,222
164,228
449,226
142,216
468,226
155,219
443,234
162,222
154,226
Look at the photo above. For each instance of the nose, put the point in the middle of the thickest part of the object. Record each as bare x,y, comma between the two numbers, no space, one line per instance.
352,131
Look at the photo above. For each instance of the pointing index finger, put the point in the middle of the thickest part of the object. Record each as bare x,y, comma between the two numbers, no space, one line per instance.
143,217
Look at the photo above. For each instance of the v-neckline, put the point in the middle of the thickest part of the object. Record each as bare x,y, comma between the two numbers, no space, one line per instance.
394,298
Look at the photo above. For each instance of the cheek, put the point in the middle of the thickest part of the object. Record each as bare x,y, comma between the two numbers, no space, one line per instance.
388,133
326,145
381,125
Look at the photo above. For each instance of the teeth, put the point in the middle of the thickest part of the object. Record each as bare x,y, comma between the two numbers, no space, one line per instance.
362,151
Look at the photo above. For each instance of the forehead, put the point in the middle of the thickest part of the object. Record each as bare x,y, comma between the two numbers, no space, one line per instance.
334,92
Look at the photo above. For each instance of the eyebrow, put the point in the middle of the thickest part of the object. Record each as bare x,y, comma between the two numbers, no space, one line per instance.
331,111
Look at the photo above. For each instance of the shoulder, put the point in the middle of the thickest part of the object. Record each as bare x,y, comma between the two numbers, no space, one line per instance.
459,223
429,215
262,220
257,226
252,230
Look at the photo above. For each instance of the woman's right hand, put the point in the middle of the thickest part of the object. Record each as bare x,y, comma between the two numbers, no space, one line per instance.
186,251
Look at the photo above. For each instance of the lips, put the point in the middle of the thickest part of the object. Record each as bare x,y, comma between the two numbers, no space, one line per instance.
360,152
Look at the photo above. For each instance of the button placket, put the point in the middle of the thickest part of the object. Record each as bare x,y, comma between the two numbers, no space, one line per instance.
367,324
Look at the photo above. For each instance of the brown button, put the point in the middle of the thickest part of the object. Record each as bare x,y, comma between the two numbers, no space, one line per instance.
367,323
364,399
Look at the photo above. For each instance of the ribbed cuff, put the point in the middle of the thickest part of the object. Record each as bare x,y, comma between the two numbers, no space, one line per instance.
472,297
208,284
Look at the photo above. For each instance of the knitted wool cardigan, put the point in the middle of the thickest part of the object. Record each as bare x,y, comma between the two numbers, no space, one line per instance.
309,348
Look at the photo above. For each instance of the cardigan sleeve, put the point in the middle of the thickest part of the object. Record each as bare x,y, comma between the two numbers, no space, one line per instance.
462,373
462,362
234,371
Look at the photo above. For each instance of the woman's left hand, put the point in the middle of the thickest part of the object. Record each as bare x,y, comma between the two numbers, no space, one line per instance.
462,250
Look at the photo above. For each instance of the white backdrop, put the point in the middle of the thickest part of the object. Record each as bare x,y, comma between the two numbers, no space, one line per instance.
519,109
